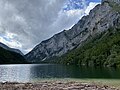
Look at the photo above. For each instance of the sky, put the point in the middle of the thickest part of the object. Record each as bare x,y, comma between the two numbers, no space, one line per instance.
25,23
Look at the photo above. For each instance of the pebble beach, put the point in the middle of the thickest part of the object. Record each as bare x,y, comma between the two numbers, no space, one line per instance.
56,85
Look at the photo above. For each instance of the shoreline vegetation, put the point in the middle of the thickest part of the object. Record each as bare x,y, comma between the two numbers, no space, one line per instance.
63,84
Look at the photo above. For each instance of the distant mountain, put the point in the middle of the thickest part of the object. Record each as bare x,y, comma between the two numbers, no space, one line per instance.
104,16
10,49
10,55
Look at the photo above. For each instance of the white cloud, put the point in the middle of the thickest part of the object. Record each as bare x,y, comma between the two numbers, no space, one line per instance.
90,7
8,41
66,19
26,23
75,12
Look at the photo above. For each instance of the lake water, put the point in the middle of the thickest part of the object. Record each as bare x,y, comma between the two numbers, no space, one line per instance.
31,72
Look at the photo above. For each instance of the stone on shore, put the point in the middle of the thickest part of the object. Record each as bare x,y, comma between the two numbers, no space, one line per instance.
54,86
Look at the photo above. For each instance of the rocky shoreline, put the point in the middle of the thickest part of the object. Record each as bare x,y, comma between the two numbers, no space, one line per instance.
56,85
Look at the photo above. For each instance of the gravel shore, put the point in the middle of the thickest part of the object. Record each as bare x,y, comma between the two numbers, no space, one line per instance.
54,86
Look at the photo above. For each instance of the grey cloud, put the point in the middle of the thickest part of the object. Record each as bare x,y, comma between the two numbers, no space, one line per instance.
34,20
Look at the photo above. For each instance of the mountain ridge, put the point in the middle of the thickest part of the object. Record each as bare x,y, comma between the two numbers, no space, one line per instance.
100,19
10,55
10,49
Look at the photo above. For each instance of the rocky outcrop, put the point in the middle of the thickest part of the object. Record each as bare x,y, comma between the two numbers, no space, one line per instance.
102,17
116,1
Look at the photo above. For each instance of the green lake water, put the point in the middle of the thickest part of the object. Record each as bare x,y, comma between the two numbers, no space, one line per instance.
31,72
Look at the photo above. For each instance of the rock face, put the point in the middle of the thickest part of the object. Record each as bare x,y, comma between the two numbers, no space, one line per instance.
102,17
116,1
10,49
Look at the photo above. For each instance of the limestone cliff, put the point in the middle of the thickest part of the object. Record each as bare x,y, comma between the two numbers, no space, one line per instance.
102,17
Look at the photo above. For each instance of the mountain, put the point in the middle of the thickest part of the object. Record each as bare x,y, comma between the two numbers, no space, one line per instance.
104,16
101,50
10,49
10,55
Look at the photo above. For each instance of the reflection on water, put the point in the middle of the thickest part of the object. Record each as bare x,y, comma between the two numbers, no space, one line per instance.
29,72
14,73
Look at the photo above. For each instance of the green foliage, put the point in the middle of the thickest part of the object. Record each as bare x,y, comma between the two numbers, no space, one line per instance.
102,50
9,57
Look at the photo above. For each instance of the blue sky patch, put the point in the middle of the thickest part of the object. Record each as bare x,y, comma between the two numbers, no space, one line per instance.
77,4
94,0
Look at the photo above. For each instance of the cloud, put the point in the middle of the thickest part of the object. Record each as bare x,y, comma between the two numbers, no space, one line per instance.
8,40
90,6
25,23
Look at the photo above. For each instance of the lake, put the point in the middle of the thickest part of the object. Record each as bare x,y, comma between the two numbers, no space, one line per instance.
31,72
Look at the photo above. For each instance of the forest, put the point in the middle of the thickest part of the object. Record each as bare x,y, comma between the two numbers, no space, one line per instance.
99,50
